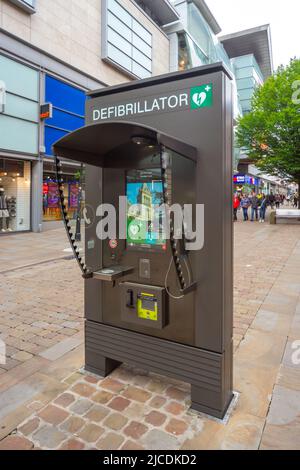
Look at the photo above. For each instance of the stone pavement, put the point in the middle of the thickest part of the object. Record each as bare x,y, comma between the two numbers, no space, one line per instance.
19,250
48,403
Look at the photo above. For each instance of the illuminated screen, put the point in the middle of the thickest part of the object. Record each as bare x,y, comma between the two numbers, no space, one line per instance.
145,221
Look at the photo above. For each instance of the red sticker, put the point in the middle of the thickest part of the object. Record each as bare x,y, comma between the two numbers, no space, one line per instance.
113,244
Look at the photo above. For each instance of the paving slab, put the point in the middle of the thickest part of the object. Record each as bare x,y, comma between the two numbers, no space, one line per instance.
134,409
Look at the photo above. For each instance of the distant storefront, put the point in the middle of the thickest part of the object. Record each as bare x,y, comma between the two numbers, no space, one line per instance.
246,183
72,191
68,115
19,125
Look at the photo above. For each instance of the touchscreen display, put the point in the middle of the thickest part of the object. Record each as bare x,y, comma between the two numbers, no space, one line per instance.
145,217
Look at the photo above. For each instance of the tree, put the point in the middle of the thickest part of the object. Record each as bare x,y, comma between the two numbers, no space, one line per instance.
270,133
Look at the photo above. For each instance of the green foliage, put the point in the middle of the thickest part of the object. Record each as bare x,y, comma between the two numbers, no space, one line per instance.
270,133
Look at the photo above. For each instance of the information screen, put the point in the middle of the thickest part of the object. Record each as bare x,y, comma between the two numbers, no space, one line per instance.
145,217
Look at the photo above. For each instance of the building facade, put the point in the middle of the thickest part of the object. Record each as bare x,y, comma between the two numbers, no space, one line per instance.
54,52
195,40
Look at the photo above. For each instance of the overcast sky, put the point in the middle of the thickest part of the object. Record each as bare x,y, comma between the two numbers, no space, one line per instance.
283,16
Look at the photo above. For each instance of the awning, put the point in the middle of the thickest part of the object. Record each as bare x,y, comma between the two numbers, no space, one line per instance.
102,143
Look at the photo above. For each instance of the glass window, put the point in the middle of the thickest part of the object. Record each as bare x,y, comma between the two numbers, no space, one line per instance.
17,135
119,11
198,28
142,32
118,57
141,59
19,79
140,71
120,27
115,38
141,45
127,42
15,195
21,108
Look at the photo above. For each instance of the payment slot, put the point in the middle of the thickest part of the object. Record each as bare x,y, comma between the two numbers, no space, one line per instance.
143,305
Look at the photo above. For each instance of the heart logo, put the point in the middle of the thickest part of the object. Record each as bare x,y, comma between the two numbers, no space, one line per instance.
199,98
134,229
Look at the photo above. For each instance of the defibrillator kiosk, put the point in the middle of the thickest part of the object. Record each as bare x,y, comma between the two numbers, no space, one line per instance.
155,298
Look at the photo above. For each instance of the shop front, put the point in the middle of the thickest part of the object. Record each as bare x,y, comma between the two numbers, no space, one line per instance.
246,183
15,195
73,189
68,104
19,162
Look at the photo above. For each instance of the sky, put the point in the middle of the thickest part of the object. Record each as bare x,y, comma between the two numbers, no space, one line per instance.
283,16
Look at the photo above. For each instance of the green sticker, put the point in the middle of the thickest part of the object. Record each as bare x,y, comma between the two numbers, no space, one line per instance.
202,96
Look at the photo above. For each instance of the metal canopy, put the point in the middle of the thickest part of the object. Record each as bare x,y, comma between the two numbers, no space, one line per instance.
255,41
98,144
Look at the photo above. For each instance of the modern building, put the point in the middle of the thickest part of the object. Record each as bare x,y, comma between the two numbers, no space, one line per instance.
196,40
54,52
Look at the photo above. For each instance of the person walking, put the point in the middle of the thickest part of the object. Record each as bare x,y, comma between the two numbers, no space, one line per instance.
236,205
271,200
263,208
296,200
277,201
254,206
245,204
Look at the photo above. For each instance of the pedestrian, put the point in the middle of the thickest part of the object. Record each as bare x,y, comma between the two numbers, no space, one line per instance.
296,200
271,200
277,201
254,206
263,208
236,206
245,204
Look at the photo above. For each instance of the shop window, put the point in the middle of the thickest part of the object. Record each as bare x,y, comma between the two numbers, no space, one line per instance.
15,196
73,190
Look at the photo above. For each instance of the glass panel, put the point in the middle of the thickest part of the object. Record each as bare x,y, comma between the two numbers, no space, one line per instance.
197,56
118,57
140,71
198,28
64,96
51,136
19,79
66,121
142,46
17,135
119,12
141,59
129,44
21,108
15,199
120,27
142,32
117,40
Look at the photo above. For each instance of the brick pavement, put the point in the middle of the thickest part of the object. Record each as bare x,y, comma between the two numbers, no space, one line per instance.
47,403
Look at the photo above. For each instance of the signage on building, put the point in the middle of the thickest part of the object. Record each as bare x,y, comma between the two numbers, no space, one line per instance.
195,98
46,111
245,179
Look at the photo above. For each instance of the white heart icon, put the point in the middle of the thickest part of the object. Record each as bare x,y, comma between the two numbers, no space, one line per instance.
134,229
199,98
